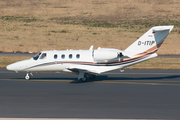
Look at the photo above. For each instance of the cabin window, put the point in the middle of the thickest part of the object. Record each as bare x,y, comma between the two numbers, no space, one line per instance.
43,56
37,56
55,56
70,56
78,56
63,56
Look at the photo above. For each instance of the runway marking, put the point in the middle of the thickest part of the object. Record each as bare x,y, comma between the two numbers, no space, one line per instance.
134,82
93,81
49,80
140,82
36,80
57,119
144,73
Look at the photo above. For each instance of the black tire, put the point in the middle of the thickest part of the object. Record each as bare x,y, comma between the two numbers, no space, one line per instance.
92,77
27,77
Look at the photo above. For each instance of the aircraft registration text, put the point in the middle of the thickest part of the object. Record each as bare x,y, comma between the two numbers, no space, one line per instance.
146,42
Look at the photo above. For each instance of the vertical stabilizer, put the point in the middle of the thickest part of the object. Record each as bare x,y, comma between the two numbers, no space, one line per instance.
150,41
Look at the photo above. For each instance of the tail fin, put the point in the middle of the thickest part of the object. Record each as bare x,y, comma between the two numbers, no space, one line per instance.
150,41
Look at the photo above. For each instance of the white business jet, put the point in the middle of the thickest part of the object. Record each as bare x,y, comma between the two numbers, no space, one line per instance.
89,63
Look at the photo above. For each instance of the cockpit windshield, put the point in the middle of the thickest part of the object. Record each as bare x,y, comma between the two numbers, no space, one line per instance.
37,56
43,56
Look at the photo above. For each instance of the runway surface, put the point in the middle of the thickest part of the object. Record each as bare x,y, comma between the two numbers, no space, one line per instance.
132,94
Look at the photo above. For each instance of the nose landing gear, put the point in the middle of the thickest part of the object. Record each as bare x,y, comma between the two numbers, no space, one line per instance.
27,77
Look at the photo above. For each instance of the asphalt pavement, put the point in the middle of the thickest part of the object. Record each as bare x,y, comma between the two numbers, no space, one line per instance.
133,94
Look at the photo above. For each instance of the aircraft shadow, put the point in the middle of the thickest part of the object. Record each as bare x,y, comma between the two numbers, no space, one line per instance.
101,78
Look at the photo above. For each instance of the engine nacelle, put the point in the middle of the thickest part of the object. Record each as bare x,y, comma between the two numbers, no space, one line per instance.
104,55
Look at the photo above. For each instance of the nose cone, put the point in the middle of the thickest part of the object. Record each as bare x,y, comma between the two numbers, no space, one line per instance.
11,67
18,66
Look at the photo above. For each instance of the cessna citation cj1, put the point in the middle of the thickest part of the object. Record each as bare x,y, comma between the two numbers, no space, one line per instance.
89,63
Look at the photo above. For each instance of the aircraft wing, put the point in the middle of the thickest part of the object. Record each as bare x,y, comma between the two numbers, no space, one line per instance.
78,69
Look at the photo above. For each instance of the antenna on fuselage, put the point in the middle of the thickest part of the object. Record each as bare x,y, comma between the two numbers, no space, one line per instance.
91,48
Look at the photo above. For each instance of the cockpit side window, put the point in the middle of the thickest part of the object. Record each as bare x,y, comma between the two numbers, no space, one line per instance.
43,56
37,56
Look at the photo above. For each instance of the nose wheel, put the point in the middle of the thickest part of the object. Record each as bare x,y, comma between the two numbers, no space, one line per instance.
27,77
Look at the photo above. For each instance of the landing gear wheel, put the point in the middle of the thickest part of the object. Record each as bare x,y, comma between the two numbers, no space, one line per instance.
84,79
27,77
92,77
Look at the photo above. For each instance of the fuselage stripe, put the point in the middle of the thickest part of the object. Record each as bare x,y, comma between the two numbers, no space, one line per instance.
126,61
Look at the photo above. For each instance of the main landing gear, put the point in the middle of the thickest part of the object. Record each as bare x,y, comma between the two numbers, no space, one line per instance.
84,77
27,77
